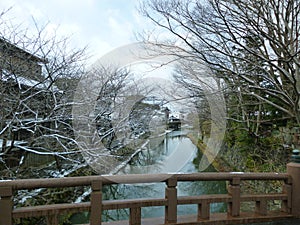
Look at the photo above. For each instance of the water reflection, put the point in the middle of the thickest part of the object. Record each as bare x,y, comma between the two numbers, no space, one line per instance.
169,156
175,153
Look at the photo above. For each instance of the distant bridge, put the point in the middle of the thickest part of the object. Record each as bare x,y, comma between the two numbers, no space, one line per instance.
174,123
289,197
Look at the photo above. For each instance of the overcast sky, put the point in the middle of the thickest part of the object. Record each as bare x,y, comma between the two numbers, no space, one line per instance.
101,24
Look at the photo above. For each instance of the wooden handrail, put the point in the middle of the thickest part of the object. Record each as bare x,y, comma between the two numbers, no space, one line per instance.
170,202
138,179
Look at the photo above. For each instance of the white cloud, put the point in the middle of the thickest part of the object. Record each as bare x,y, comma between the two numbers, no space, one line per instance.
101,24
35,12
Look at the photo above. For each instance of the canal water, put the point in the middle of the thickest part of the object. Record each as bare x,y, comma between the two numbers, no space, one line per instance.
173,153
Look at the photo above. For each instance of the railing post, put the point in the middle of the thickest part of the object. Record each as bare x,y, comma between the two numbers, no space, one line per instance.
293,169
171,196
235,191
6,205
96,203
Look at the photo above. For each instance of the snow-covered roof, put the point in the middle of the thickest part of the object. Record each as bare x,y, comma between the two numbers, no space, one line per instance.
153,101
175,115
24,81
9,142
17,51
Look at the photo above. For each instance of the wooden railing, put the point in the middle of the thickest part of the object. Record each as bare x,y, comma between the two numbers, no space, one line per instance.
233,198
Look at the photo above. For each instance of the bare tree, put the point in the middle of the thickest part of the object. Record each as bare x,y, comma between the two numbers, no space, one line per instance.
38,74
111,118
252,45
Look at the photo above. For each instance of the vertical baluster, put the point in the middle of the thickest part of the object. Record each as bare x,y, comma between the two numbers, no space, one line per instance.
204,210
6,205
52,219
261,207
135,216
96,202
235,191
171,196
286,205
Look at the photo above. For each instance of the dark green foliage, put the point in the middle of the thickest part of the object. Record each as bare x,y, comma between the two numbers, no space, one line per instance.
263,152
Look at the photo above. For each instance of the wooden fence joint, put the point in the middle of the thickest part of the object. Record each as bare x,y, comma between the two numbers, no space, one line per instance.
171,196
6,205
96,202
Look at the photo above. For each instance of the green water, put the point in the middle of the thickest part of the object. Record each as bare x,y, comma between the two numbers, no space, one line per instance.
174,154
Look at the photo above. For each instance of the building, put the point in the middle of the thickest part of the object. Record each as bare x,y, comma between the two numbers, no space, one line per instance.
19,62
24,98
174,123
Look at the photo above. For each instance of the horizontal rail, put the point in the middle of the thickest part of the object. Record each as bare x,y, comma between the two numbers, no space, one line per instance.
44,210
138,178
233,198
217,198
133,203
268,197
186,200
